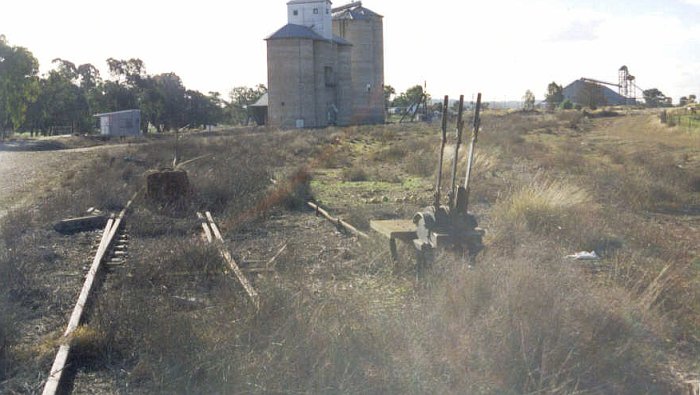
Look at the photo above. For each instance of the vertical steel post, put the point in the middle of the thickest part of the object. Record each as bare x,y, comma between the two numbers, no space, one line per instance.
470,157
460,125
438,183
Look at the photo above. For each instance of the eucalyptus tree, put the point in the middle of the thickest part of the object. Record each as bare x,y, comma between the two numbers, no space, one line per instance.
19,85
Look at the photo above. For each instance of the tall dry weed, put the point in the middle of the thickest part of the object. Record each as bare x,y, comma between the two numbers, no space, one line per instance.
534,326
543,206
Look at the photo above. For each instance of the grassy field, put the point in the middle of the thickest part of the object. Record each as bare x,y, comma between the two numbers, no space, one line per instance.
684,119
335,316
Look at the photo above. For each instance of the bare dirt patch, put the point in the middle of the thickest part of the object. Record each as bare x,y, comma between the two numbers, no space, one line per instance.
28,174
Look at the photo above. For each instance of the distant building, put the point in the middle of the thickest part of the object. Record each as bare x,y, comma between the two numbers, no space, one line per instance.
120,123
588,93
326,66
258,110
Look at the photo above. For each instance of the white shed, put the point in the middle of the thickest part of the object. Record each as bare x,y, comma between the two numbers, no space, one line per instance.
120,123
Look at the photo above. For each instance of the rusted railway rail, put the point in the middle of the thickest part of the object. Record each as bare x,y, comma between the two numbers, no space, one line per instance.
339,223
213,235
111,251
108,236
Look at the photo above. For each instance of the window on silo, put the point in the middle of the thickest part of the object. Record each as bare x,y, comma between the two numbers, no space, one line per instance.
295,12
329,76
315,10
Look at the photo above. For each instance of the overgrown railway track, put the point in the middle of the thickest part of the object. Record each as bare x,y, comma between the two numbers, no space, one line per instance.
261,248
109,235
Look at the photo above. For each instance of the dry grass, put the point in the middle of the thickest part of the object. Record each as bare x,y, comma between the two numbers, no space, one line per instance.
523,321
484,163
511,326
392,154
8,331
647,184
532,325
87,344
354,174
543,207
145,316
422,163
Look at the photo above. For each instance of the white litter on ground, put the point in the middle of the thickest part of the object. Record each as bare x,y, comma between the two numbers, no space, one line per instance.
584,256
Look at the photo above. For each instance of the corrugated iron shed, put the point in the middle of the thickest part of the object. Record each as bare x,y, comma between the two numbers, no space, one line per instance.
261,102
120,123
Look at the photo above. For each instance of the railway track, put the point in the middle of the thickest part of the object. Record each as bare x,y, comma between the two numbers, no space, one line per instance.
213,235
111,250
108,244
339,223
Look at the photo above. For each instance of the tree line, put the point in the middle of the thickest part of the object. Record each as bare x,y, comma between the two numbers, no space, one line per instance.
413,95
65,99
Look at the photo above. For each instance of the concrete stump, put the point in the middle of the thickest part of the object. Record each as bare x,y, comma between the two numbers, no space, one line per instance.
167,186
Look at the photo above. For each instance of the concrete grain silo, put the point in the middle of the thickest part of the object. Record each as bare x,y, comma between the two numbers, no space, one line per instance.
364,29
317,76
344,90
290,78
308,70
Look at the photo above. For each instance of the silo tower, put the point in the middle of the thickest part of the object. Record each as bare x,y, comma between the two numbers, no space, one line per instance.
364,29
315,14
308,70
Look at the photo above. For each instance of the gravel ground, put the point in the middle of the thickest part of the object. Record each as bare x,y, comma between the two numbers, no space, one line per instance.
30,171
24,175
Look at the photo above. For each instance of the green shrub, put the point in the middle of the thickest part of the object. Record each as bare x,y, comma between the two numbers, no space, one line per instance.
566,105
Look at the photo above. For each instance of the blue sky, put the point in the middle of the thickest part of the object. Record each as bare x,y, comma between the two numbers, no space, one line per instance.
501,48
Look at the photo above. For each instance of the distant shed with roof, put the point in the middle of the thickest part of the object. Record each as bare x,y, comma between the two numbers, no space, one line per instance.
120,123
258,110
588,93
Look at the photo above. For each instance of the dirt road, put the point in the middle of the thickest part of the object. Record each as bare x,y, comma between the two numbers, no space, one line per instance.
25,175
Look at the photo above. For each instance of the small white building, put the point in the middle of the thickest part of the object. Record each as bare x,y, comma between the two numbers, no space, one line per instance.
120,123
